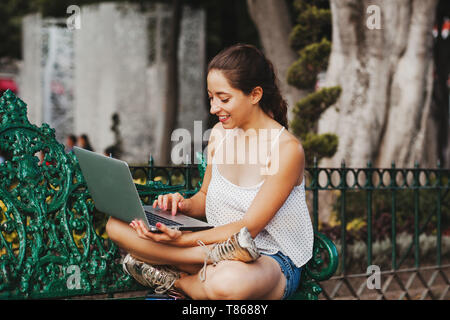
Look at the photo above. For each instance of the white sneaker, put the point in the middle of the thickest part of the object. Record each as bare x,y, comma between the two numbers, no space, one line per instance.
239,247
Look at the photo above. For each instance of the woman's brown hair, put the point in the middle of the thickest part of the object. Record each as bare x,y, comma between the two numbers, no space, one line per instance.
246,67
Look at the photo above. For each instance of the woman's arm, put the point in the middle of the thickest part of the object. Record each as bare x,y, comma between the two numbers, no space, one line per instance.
267,202
197,205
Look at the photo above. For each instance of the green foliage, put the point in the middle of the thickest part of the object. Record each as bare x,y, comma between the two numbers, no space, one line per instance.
356,207
311,38
313,59
356,215
11,12
313,24
311,107
302,5
319,146
307,112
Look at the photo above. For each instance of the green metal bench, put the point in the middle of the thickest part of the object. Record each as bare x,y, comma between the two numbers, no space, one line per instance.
52,240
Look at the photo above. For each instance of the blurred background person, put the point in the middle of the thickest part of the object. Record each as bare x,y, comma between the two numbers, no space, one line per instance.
71,141
83,142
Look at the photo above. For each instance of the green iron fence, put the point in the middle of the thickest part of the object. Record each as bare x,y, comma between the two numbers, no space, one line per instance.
418,198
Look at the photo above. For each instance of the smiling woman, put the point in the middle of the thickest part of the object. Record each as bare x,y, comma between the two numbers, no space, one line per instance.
244,77
263,234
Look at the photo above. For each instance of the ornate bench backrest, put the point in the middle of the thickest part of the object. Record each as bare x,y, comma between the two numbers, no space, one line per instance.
50,242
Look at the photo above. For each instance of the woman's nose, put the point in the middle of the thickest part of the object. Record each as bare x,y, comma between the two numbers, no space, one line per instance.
214,108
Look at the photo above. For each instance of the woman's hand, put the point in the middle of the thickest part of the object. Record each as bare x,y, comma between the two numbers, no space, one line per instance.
168,235
174,202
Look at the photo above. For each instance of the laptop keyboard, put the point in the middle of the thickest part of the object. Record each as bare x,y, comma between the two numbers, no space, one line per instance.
153,219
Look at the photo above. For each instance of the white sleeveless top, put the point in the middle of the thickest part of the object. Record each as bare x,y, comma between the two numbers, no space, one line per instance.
290,230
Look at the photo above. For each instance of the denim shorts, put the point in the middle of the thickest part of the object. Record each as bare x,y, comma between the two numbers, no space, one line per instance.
290,271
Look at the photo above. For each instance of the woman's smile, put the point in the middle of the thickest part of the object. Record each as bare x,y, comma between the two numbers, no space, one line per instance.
223,119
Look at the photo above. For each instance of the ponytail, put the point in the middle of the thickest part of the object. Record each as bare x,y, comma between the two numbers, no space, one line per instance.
272,102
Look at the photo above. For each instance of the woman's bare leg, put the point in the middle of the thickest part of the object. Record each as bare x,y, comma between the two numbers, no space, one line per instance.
149,251
261,279
235,280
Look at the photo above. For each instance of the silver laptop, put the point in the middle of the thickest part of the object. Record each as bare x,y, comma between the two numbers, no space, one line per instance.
111,186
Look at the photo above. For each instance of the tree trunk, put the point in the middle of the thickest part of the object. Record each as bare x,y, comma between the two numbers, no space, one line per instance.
385,69
171,105
386,75
272,20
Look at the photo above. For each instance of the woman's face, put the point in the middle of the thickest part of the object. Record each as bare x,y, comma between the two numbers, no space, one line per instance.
227,101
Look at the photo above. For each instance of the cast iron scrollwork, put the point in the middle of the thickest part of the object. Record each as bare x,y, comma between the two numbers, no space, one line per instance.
51,244
320,267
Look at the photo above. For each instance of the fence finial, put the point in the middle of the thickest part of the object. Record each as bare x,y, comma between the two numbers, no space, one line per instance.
151,161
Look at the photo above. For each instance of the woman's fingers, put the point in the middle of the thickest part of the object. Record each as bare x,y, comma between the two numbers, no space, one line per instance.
138,228
144,233
169,202
168,234
160,199
176,199
174,205
172,233
165,201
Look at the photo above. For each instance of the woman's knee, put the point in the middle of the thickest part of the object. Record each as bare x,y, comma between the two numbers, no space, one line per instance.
113,228
227,282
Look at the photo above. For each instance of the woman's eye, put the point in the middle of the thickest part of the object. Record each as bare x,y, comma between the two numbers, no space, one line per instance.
223,100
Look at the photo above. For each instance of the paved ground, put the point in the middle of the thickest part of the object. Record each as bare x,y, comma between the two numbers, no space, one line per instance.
426,284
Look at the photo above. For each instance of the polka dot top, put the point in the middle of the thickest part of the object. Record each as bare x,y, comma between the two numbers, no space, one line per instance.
290,230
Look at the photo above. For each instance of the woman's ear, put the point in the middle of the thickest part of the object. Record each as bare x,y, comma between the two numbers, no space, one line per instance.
256,94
